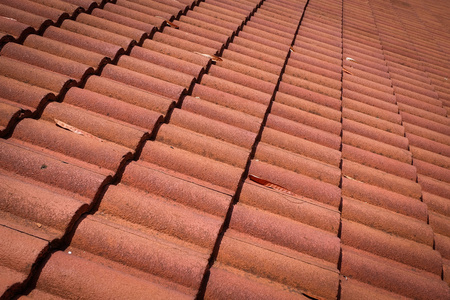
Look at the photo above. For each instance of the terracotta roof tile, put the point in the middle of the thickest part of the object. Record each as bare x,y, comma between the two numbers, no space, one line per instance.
315,277
379,272
217,136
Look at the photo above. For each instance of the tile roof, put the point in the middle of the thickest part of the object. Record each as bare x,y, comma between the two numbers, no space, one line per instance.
291,149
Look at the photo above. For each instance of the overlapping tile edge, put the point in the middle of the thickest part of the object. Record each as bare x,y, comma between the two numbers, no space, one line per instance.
297,146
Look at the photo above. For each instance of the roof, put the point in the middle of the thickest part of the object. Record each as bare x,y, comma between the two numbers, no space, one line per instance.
229,149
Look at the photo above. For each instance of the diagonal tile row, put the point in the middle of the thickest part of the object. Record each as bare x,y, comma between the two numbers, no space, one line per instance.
421,103
289,240
387,245
114,112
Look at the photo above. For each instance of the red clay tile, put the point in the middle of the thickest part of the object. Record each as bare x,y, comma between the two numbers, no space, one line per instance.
387,221
439,223
392,277
352,290
410,119
377,147
312,86
67,275
176,52
262,45
129,94
380,162
309,212
166,61
375,134
211,26
306,132
446,271
31,75
308,106
110,24
217,13
285,232
312,76
247,70
98,33
253,58
85,42
9,115
18,252
306,118
434,186
156,213
254,25
222,114
387,97
436,203
298,163
431,170
236,89
309,95
430,157
417,112
434,108
301,146
313,277
124,21
194,38
24,95
47,61
113,108
143,81
43,10
372,121
319,66
384,198
190,164
241,79
224,11
229,283
48,135
385,245
198,15
213,128
37,209
156,71
230,101
371,101
311,66
442,244
426,133
381,179
231,5
145,9
173,186
13,30
101,127
123,13
59,172
429,145
23,19
299,53
296,183
65,51
202,145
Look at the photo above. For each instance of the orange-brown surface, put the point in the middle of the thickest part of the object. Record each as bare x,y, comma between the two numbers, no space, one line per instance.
232,149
